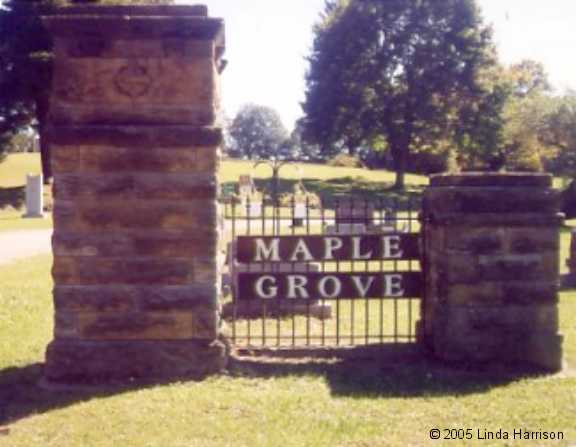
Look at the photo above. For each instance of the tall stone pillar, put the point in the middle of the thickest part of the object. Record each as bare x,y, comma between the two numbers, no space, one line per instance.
491,270
135,151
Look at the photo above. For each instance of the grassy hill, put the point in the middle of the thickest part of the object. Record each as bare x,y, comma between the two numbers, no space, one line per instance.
13,171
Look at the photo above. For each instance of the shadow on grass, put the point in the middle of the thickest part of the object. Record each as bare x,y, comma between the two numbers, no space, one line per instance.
13,197
21,394
412,377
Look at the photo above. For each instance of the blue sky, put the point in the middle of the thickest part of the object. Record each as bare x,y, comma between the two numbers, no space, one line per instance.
267,41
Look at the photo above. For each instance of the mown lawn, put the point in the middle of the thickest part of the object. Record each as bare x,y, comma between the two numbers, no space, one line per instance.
12,196
14,169
327,181
360,403
264,402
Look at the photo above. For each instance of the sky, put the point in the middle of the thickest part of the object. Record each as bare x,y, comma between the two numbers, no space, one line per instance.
268,41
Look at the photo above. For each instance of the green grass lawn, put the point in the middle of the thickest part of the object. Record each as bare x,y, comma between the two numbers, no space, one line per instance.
267,402
360,403
12,180
329,182
13,171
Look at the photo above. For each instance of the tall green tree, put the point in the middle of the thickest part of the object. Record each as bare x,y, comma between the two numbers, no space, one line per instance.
526,113
258,133
560,133
397,72
25,71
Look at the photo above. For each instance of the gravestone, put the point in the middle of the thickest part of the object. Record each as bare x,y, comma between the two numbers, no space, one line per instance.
34,196
135,154
300,213
241,307
250,198
351,217
246,186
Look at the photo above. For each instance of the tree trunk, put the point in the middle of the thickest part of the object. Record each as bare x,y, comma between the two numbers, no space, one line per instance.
42,105
45,157
398,150
401,149
400,176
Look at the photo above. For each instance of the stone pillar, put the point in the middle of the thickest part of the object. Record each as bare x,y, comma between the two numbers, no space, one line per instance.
135,153
491,270
34,196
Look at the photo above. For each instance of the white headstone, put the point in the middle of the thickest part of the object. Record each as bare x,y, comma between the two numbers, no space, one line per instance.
34,196
255,209
300,211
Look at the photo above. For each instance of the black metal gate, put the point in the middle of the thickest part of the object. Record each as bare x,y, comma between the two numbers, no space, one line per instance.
319,322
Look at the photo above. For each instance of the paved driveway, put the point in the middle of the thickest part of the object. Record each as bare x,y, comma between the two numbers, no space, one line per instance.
23,244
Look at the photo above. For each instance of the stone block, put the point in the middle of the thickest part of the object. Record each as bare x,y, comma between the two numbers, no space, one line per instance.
133,102
158,299
493,283
459,267
541,350
476,348
471,200
133,186
462,320
96,159
138,138
89,362
94,271
476,240
205,270
533,240
149,91
502,293
544,350
541,266
199,323
85,216
496,220
129,298
100,298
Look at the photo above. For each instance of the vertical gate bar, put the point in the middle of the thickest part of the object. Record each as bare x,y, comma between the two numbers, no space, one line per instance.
336,203
422,261
367,303
248,320
308,328
410,267
233,220
323,301
352,301
293,307
396,204
381,300
231,262
263,305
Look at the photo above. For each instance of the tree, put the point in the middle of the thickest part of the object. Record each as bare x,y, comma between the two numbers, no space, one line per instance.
303,150
258,133
560,133
526,112
25,71
398,72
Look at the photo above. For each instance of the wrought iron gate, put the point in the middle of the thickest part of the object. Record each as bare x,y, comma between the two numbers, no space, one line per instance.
318,321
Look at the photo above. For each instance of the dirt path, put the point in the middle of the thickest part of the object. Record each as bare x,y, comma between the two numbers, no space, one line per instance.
22,244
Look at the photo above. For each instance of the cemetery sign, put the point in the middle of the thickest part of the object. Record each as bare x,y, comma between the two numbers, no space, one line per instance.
278,250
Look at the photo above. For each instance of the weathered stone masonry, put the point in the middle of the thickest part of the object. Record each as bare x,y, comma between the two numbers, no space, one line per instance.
135,154
491,266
